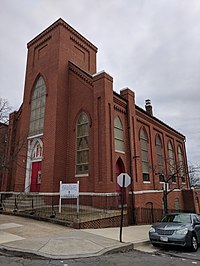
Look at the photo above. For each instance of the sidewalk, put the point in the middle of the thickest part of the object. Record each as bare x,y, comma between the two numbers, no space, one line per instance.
20,235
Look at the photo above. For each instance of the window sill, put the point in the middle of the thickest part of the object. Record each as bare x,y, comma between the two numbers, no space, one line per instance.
120,152
146,182
35,136
81,175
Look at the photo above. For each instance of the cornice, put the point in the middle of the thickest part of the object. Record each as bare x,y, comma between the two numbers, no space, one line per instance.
119,109
143,116
43,41
80,73
79,43
119,102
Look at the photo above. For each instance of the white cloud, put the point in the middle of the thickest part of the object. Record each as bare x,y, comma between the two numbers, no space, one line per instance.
151,46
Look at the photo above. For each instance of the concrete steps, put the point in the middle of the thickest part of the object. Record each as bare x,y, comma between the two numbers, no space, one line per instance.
23,201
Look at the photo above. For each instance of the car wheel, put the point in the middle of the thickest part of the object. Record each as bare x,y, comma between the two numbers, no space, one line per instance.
156,245
194,243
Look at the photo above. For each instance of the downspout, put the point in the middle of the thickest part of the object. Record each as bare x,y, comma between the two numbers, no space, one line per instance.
186,166
131,167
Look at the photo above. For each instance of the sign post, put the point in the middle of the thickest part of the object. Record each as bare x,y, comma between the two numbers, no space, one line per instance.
69,191
123,181
60,201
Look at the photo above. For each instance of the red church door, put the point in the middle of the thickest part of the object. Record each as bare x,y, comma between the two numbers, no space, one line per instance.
35,177
119,170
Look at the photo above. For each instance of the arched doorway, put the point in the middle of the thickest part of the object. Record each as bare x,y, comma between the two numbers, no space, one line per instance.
119,168
35,165
149,213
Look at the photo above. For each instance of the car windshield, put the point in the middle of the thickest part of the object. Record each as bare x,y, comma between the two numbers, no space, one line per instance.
179,218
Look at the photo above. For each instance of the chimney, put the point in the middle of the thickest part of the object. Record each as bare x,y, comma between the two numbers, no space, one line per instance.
148,107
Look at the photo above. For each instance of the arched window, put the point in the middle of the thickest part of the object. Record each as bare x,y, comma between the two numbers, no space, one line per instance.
82,147
37,108
118,135
159,158
37,151
144,152
171,162
181,164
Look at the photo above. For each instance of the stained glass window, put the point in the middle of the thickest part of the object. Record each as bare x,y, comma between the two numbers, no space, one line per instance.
144,152
37,108
82,146
171,161
37,151
118,135
181,164
159,158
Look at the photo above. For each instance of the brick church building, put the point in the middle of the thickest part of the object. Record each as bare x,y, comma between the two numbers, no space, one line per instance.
72,126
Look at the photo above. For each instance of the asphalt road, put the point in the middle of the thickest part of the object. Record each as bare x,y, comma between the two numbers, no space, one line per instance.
135,258
184,254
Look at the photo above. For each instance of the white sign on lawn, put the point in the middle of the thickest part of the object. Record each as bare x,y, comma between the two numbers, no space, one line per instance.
69,190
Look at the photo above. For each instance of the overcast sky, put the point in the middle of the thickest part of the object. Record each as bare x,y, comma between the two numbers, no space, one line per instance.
150,46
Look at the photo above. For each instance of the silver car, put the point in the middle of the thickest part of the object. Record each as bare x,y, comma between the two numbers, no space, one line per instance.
179,229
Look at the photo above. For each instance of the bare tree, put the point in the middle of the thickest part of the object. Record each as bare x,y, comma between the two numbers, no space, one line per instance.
8,162
10,152
194,173
172,172
4,118
5,109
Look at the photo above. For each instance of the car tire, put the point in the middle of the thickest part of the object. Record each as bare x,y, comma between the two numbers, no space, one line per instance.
194,243
155,245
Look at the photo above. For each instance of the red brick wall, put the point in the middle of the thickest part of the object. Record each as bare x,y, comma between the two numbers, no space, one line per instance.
3,139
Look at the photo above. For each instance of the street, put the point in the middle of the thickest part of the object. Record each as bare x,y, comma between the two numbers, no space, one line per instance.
161,257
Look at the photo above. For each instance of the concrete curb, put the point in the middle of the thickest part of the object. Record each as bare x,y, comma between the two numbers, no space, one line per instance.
182,255
141,243
38,255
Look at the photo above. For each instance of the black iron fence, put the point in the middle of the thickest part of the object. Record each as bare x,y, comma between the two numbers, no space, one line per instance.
151,215
88,208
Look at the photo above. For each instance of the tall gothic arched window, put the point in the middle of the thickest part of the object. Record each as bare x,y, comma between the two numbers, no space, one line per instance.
181,164
171,161
38,100
82,145
159,158
144,153
118,135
